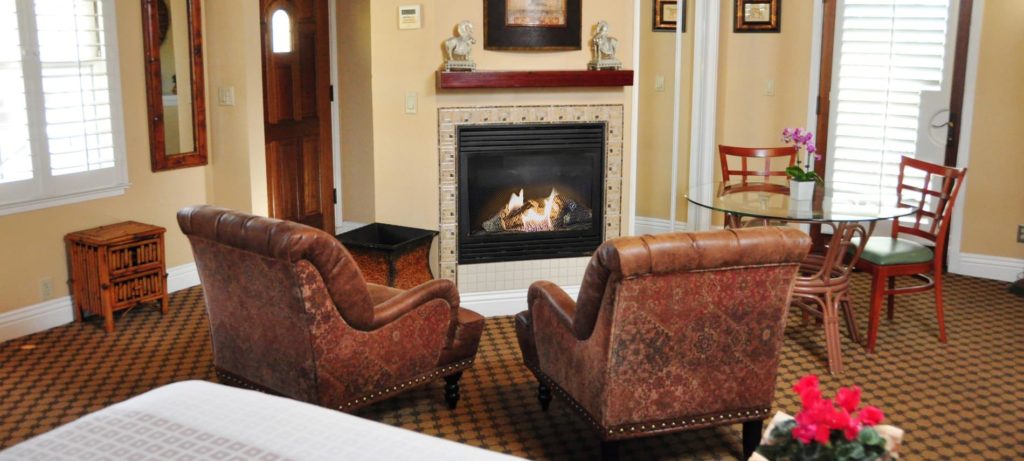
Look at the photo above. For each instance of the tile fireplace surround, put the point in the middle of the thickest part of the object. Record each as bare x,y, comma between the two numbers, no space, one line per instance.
517,275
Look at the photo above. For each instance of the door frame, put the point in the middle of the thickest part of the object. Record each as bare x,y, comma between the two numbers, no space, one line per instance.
332,30
965,67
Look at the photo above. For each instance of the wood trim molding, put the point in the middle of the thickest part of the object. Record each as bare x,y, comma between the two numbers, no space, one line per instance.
534,79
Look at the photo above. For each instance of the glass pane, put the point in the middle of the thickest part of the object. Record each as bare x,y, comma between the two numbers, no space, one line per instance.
15,150
281,32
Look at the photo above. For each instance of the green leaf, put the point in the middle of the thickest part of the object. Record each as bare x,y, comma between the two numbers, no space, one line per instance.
868,436
850,452
795,172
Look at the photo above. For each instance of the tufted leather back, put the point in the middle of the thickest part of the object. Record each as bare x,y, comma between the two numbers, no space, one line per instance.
633,257
287,242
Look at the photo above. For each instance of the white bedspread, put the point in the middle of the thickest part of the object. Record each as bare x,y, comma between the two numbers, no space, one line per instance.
198,420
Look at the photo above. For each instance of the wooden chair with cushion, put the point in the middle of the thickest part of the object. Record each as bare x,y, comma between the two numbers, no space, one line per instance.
291,314
739,178
670,332
887,257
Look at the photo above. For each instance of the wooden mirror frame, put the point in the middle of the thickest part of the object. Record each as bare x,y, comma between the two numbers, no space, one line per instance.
159,160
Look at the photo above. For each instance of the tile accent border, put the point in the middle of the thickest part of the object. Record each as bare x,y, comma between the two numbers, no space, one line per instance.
451,117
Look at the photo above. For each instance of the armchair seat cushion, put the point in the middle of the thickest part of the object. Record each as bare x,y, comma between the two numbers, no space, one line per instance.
887,251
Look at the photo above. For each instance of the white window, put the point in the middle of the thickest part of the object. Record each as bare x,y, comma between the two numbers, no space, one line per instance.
61,135
890,91
281,32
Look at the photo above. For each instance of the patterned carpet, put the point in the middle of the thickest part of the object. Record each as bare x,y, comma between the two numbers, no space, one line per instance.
963,400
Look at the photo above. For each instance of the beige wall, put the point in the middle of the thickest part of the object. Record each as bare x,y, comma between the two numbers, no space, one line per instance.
32,243
355,93
654,133
994,201
237,176
405,146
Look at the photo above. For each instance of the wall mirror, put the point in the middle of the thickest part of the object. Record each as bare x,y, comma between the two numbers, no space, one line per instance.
173,45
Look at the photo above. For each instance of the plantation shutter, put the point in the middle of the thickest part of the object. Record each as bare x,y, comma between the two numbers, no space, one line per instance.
889,51
56,115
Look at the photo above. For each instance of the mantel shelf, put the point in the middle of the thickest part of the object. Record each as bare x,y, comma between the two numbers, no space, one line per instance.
534,79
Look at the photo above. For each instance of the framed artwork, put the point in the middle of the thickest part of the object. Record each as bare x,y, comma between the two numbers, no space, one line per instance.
667,13
756,15
532,24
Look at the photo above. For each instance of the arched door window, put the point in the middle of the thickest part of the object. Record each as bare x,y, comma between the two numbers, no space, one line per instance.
281,32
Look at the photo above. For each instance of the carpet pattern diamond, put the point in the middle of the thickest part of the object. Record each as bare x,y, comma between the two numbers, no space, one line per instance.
962,400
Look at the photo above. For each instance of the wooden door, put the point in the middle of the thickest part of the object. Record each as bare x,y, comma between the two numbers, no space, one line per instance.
297,111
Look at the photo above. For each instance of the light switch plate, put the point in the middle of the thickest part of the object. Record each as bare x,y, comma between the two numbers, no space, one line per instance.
659,83
411,102
226,95
769,88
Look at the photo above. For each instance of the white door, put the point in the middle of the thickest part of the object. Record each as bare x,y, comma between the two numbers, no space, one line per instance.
891,88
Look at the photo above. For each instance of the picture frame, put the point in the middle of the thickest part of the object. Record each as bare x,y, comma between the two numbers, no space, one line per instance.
757,16
666,13
532,25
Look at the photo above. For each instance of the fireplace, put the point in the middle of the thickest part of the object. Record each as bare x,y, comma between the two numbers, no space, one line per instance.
530,191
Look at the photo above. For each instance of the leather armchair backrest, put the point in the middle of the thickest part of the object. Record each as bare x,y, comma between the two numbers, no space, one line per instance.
288,242
631,257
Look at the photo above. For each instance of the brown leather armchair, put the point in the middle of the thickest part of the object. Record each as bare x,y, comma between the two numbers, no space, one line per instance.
290,314
669,332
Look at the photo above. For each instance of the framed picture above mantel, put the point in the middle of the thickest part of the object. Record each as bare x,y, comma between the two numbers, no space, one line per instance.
757,15
539,25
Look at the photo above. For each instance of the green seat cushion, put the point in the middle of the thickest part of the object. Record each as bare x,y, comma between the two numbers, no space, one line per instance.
887,251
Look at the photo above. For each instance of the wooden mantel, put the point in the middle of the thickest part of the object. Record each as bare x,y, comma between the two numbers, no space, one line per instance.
534,79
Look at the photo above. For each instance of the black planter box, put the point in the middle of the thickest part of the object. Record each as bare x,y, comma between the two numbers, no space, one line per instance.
396,256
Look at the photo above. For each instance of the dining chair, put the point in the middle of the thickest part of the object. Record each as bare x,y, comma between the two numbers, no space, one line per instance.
754,162
934,188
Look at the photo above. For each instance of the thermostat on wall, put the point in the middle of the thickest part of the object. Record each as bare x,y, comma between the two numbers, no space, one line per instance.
409,17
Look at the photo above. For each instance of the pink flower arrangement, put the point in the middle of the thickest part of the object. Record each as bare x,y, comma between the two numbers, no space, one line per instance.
803,140
827,429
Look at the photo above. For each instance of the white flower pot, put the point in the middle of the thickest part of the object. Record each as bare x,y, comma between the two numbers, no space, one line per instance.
801,190
893,437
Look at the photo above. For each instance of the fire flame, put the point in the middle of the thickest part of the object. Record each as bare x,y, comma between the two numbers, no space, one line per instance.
515,202
535,220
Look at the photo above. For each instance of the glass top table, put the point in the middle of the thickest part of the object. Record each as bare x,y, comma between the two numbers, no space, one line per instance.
832,203
822,286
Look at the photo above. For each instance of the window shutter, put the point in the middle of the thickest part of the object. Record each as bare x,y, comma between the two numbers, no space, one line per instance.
890,51
56,112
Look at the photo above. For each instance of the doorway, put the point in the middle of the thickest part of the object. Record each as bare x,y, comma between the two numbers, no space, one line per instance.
297,111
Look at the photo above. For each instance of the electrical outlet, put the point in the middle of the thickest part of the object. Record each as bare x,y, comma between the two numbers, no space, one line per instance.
226,95
46,288
1020,233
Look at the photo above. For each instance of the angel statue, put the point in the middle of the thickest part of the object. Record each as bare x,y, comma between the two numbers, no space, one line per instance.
458,49
604,48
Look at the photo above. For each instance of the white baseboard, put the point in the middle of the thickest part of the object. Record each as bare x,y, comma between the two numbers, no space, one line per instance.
182,277
984,266
59,311
347,226
35,318
506,302
645,225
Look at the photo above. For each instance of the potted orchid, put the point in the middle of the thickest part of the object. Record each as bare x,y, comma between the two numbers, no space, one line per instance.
829,430
801,177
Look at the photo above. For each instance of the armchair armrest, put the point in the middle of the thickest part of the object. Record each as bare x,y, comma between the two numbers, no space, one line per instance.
394,308
559,302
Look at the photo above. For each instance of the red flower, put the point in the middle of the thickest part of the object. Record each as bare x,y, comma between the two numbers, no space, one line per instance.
870,416
848,398
808,390
853,429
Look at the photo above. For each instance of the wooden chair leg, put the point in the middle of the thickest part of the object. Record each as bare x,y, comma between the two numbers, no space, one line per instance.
851,320
544,396
830,316
938,306
891,301
876,309
751,437
451,389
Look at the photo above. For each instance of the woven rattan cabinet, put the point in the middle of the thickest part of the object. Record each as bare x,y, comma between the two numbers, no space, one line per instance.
116,267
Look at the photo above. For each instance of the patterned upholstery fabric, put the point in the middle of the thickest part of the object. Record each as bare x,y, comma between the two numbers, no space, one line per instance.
291,314
669,332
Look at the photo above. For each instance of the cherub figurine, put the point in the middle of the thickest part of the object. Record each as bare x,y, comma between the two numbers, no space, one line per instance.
604,48
459,48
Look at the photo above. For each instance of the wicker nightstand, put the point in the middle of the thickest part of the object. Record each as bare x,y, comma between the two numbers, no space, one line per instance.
116,267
